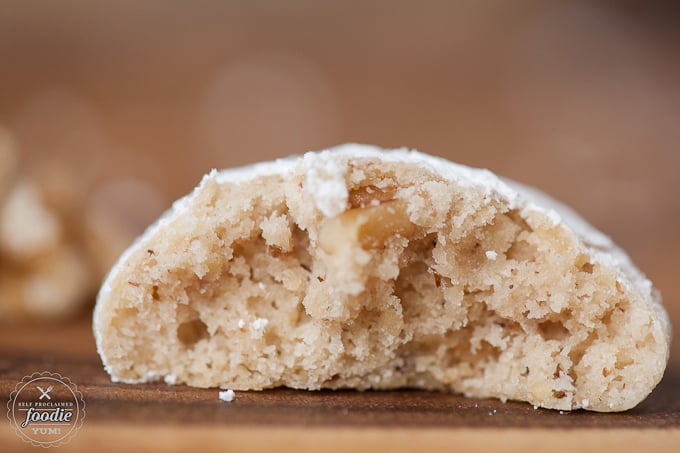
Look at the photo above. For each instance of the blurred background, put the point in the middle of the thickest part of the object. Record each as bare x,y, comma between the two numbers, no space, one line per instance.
113,110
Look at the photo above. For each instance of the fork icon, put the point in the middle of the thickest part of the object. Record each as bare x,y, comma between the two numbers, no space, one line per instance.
45,393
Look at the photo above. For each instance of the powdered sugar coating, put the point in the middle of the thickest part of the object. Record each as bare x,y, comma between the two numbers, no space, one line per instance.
326,184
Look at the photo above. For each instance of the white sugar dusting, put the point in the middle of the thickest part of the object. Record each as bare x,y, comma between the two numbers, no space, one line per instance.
491,255
325,182
259,323
241,324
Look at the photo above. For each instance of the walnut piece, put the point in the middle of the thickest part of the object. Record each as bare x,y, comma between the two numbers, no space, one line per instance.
367,227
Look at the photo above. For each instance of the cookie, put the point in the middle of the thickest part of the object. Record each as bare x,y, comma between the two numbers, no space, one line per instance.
60,232
362,268
42,274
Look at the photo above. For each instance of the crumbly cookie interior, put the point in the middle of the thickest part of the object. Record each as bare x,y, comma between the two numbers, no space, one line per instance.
419,282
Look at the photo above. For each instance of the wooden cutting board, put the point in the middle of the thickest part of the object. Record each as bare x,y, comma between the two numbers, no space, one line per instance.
159,417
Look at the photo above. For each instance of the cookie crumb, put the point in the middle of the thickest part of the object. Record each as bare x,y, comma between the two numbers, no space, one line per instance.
227,395
170,379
